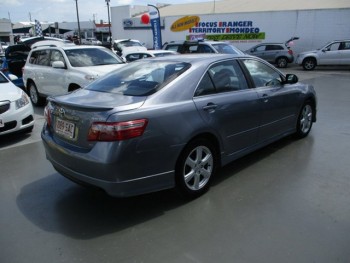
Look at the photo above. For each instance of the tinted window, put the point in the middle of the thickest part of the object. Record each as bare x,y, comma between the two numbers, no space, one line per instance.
260,48
136,56
173,48
139,78
262,74
40,57
222,77
204,49
87,57
225,48
274,47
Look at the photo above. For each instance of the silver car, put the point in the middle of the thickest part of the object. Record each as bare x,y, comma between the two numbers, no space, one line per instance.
172,121
334,53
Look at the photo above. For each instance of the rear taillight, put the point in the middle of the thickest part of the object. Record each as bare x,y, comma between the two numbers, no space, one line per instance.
47,116
290,51
116,131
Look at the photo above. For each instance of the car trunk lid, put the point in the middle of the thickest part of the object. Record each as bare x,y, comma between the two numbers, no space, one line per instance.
71,116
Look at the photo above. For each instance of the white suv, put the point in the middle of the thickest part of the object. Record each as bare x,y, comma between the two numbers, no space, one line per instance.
336,52
59,68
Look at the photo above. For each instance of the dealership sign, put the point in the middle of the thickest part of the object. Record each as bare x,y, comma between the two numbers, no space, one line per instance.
184,23
218,30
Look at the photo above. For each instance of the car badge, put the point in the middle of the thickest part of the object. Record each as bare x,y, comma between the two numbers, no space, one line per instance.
61,112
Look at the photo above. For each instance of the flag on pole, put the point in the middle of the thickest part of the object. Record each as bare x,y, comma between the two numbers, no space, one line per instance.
38,29
155,24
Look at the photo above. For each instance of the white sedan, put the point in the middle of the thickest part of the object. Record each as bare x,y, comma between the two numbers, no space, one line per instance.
16,110
133,55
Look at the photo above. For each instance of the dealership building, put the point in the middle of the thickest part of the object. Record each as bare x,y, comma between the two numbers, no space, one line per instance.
242,22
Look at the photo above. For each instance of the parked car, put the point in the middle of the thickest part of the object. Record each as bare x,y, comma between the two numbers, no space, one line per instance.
130,55
121,46
336,52
62,68
16,110
276,53
91,41
167,122
13,62
16,56
202,46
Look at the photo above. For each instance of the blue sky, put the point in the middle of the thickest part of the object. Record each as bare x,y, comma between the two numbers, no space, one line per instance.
64,10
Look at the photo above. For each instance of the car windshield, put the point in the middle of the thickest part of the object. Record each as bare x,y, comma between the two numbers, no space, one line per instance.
226,49
139,78
87,57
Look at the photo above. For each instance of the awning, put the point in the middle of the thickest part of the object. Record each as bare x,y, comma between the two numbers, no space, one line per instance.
22,30
52,30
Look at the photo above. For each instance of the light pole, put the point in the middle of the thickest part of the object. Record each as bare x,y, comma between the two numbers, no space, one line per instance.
76,6
109,24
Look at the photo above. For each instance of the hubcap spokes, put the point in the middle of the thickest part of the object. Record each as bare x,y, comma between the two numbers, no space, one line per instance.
198,168
33,95
306,119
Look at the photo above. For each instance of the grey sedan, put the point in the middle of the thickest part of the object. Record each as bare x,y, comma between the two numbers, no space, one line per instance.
172,121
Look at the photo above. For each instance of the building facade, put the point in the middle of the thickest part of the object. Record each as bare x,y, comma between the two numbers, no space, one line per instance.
313,26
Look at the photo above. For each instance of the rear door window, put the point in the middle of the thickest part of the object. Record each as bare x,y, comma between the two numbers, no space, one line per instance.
40,57
222,77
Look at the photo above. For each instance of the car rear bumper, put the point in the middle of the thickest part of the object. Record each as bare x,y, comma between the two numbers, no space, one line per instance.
118,178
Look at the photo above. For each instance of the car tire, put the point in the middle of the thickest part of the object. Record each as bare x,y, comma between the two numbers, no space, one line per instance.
36,99
282,62
305,120
195,168
309,63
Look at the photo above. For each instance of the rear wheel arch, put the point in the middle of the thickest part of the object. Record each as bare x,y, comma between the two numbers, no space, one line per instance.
282,62
204,170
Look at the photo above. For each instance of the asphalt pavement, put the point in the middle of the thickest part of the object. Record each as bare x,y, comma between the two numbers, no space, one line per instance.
288,202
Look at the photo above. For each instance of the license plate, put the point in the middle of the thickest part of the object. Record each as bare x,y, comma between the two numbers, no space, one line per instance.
65,128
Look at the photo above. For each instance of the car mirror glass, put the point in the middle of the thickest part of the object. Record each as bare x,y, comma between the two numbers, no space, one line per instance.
291,79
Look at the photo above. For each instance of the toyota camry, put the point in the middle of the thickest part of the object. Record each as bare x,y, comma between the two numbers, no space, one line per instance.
171,122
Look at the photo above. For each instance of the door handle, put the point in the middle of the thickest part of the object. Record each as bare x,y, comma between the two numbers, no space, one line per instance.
265,98
210,107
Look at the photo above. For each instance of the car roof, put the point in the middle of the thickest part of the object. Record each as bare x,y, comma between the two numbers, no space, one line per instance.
51,43
67,46
198,58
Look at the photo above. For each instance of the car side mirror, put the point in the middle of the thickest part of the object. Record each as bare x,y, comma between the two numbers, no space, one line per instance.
291,79
58,64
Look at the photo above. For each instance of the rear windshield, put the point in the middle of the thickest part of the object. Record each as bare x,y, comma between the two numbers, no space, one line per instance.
226,49
139,78
87,57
